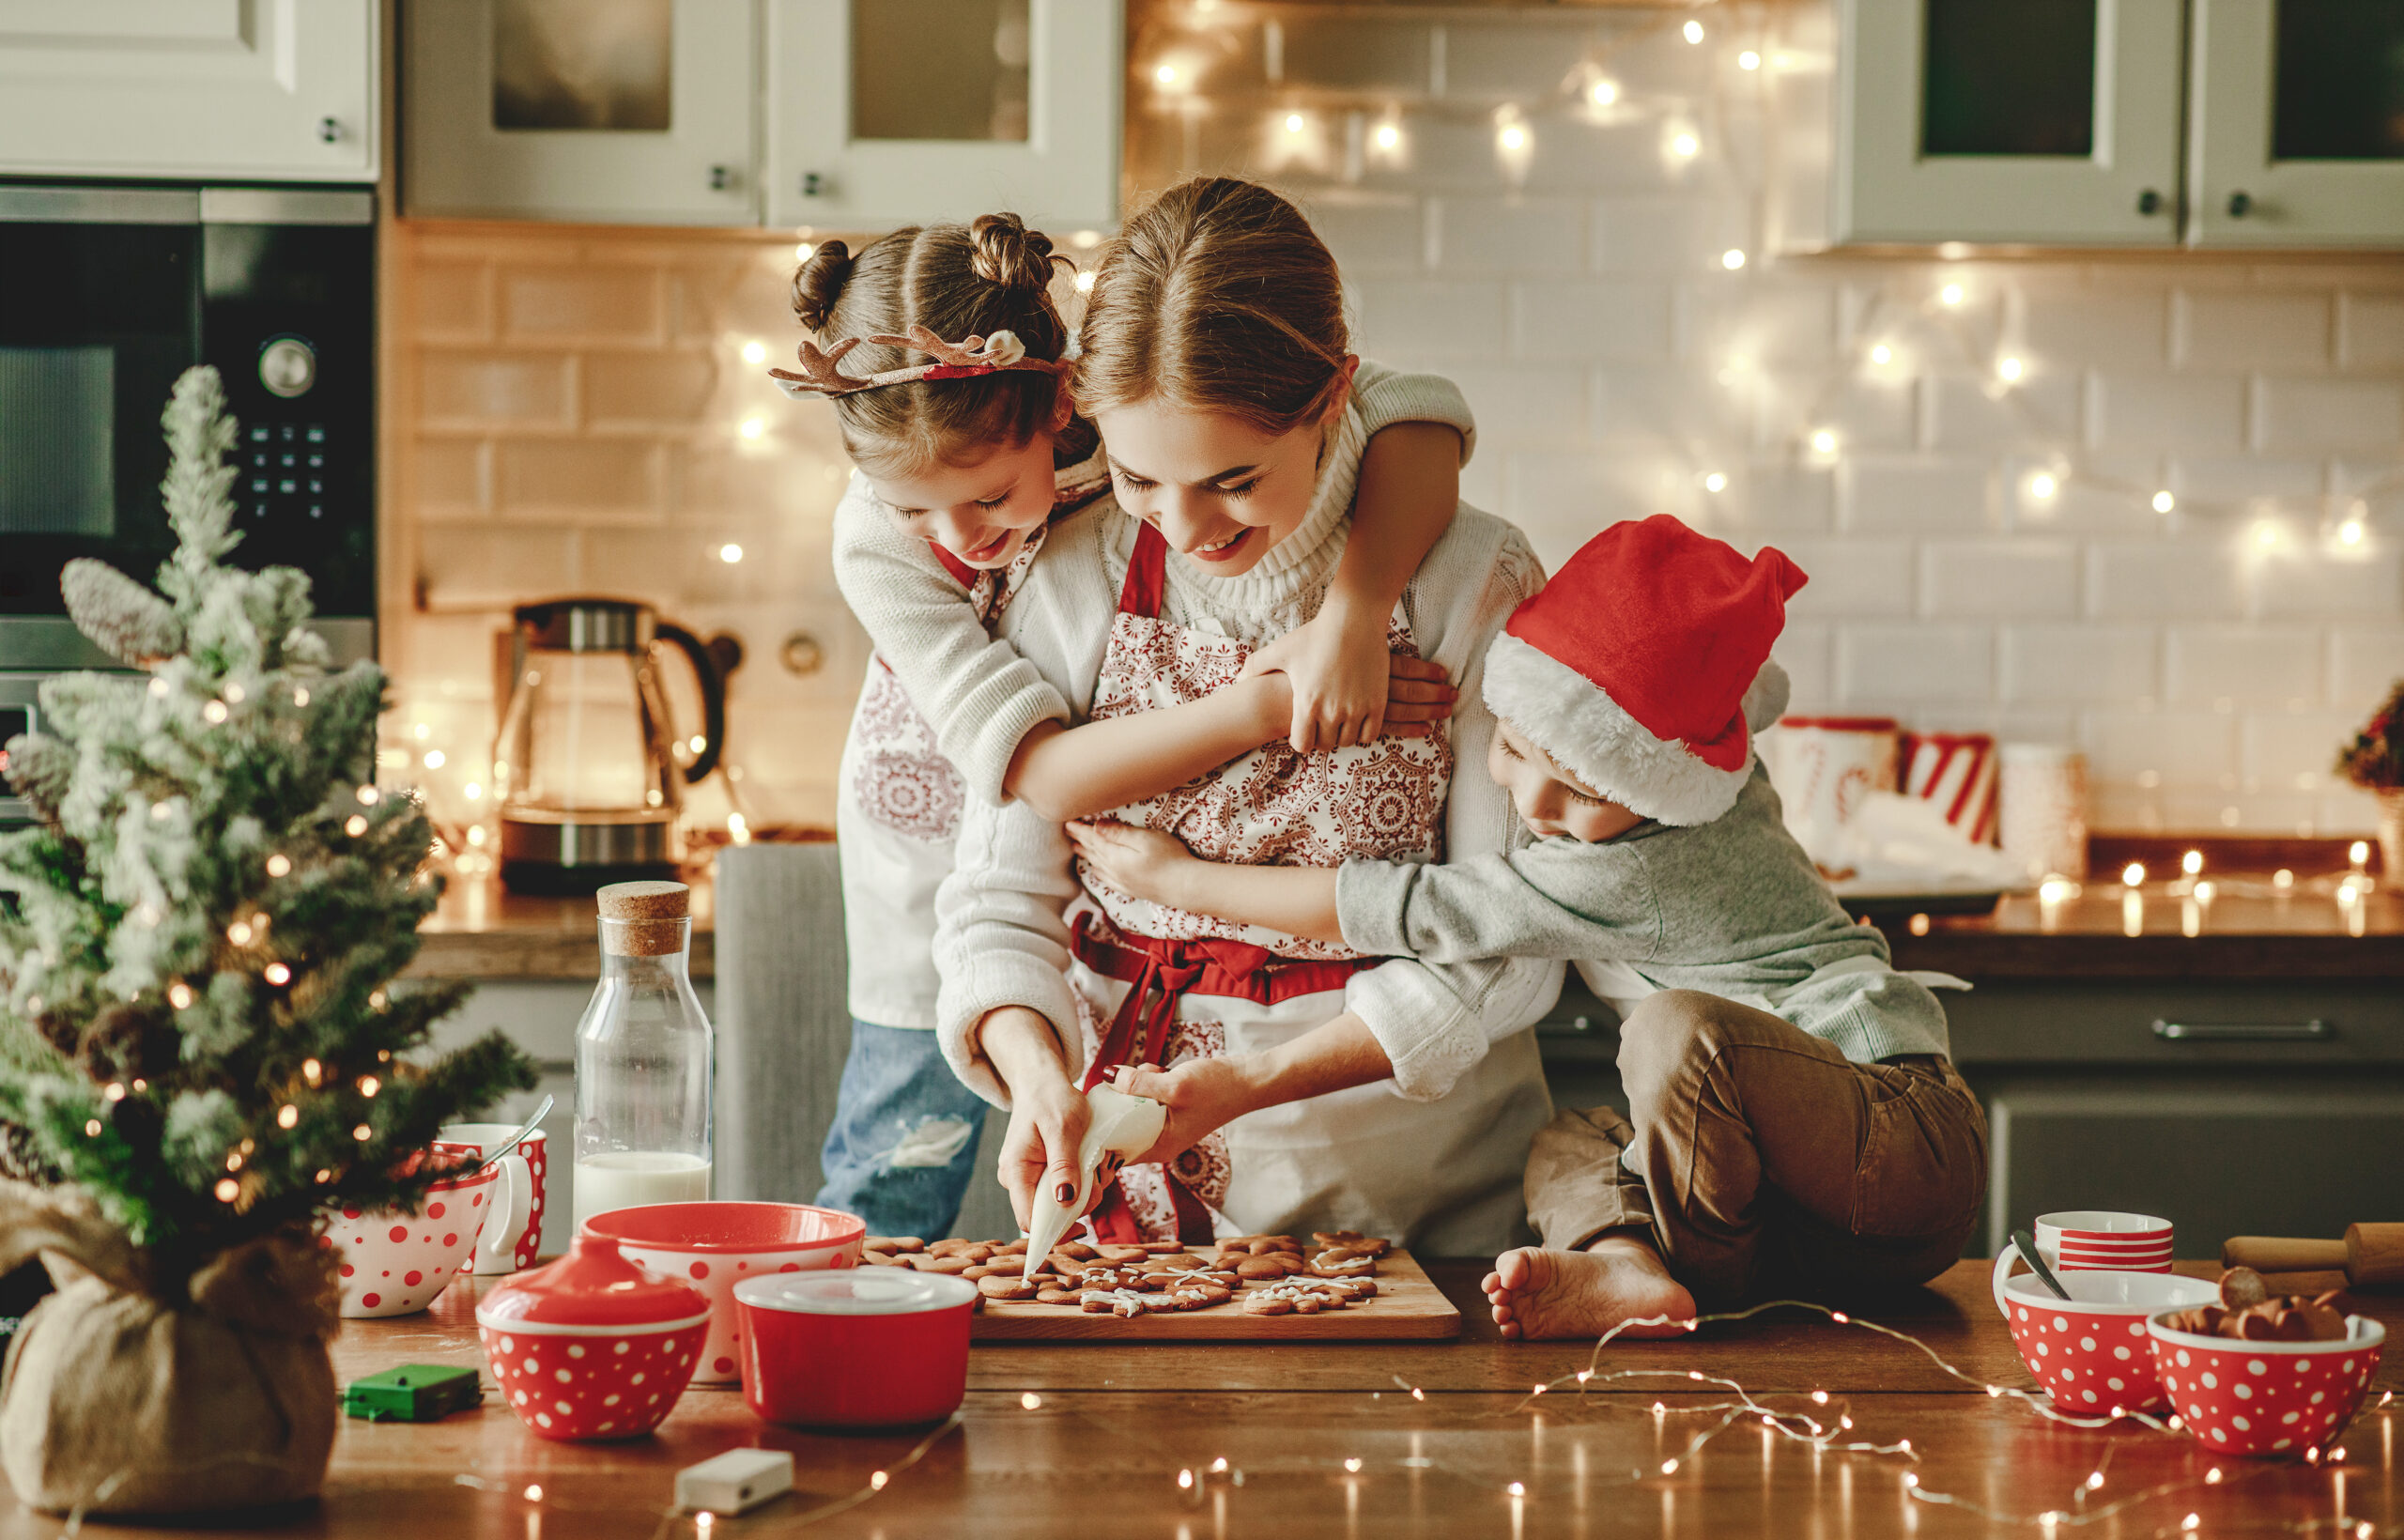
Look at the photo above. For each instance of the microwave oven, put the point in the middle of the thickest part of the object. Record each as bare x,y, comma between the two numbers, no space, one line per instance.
107,293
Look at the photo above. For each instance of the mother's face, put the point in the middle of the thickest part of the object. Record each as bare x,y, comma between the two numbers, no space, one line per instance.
1222,490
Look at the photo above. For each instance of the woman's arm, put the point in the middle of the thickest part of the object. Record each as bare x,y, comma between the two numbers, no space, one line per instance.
1149,864
1409,487
1207,1093
1048,1114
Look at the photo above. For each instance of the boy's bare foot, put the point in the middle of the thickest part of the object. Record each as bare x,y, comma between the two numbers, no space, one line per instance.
1539,1293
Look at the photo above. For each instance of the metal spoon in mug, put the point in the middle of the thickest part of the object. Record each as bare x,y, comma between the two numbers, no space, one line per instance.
527,1127
2027,1245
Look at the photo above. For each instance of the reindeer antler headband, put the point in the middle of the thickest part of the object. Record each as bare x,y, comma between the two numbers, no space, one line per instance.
964,359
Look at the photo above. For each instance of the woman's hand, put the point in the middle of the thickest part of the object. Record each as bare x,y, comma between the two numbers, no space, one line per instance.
1348,688
1048,1114
1143,863
1200,1094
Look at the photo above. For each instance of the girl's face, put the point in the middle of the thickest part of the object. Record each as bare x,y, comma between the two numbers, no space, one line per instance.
982,511
1223,491
1551,802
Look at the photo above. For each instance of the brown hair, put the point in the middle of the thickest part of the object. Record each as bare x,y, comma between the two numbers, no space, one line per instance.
957,280
1218,298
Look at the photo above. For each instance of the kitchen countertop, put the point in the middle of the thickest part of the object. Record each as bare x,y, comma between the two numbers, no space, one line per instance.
482,931
1327,1438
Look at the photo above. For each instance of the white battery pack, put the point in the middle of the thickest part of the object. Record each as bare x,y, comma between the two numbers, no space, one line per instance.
735,1482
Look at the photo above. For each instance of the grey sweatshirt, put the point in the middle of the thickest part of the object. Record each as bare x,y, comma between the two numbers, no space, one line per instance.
1733,907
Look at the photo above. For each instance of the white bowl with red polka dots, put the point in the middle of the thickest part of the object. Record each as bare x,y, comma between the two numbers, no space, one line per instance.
2090,1351
591,1346
715,1246
2273,1398
394,1263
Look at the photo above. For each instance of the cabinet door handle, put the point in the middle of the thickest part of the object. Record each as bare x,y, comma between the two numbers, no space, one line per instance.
2239,205
721,177
329,129
2311,1031
2149,203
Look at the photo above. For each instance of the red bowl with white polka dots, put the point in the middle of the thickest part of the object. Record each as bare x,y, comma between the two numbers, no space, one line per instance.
717,1245
2090,1351
591,1346
393,1263
2267,1398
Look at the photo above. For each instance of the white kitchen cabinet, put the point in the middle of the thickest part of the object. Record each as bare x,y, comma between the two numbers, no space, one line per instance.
2296,124
882,113
268,90
2261,123
635,112
2048,121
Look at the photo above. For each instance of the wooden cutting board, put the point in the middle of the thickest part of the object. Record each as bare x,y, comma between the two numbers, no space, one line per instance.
1408,1305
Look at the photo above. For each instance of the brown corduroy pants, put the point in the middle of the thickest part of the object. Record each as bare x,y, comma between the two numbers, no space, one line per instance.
1762,1161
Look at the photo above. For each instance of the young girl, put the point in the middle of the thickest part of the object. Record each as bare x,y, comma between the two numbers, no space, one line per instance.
967,448
1213,360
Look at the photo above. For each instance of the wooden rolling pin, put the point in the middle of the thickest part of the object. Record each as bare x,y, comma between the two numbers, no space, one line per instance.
2370,1255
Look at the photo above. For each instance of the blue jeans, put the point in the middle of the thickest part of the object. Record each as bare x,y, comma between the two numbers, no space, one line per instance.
904,1145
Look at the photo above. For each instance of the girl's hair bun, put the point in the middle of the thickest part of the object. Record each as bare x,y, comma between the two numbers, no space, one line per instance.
1006,251
818,283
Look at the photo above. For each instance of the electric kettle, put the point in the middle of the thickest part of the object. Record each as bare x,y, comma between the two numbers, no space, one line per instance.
585,770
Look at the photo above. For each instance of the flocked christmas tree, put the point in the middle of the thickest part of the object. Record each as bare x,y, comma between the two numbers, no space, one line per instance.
198,939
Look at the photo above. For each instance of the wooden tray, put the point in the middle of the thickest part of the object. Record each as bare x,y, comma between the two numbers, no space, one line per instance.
1408,1305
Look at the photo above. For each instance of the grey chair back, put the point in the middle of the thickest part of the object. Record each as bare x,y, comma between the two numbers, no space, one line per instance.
784,1028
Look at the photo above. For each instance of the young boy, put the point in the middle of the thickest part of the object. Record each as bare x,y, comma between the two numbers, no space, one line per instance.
1794,1122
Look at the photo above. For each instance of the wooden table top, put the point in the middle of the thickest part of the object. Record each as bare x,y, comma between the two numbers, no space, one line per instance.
1125,1441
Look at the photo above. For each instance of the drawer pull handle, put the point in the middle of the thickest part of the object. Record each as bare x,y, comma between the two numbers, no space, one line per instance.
2312,1031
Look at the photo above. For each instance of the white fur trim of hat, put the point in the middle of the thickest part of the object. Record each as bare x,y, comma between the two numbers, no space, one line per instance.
1590,735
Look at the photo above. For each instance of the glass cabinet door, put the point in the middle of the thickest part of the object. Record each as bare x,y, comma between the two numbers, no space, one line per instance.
2039,120
2296,132
893,111
635,112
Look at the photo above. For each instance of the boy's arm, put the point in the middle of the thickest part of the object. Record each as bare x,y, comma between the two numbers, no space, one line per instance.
1554,900
1149,864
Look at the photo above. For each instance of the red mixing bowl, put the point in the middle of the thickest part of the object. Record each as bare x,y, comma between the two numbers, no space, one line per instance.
859,1347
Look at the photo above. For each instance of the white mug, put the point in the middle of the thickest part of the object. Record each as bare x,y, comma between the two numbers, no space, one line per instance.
2082,1239
515,1223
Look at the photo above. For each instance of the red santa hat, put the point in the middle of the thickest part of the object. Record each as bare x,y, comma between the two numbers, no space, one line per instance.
1630,667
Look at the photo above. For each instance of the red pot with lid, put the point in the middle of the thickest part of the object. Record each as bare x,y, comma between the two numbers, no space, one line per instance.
591,1346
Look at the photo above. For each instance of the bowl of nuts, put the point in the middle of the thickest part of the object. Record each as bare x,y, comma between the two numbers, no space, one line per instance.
2262,1372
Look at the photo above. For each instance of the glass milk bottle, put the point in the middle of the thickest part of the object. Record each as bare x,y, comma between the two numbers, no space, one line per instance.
642,1059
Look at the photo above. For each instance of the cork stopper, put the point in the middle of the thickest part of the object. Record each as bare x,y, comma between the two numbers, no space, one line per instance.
649,915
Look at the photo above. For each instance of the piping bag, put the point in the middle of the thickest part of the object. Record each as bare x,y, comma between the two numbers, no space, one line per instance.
1122,1125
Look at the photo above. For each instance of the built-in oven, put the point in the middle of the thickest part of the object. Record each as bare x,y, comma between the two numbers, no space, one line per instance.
107,293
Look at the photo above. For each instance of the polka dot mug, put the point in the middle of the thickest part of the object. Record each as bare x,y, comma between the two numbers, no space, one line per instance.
394,1263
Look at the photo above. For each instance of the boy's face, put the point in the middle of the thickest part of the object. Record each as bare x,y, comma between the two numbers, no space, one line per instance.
982,511
1551,801
1223,491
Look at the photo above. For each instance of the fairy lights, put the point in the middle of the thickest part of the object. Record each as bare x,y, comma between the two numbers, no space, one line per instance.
288,1116
180,995
279,865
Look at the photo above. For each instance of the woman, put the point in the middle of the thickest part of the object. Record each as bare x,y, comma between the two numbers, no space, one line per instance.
1307,1087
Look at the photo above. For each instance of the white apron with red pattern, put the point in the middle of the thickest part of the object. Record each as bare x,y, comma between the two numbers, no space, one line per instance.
899,801
1161,985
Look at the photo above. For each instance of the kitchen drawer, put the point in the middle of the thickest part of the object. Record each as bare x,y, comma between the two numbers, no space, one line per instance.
2301,1155
2204,1024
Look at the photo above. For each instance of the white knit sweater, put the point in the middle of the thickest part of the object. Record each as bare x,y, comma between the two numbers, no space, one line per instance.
1001,939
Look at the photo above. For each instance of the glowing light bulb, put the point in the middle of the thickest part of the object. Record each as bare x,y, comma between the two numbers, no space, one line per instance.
1820,1398
312,1070
1030,1400
214,711
802,251
1518,1488
1669,1467
755,351
1084,282
1824,441
1685,147
534,1494
2043,484
1512,137
2009,369
1748,60
1294,123
228,1189
363,1133
435,759
1603,93
369,1085
1387,136
1882,354
1164,74
92,1128
2357,855
2164,503
279,865
355,825
2266,534
753,427
1951,293
2192,862
1693,31
2350,533
2095,1481
1731,259
239,933
1185,1480
729,553
1715,481
278,974
876,1480
288,1116
2133,875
